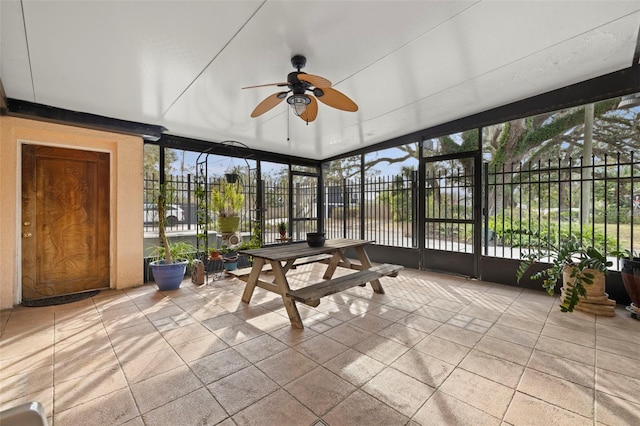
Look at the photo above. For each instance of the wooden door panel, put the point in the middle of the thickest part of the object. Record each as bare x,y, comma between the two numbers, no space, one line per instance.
65,227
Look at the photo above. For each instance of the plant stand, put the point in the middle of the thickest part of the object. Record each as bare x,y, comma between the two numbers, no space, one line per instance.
597,301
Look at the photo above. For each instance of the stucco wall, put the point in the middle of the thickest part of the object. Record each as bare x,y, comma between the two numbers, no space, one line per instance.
126,197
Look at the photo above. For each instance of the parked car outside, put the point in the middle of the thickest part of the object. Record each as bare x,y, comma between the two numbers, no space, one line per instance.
175,214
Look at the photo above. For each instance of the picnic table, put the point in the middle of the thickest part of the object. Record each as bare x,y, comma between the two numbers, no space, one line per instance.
282,258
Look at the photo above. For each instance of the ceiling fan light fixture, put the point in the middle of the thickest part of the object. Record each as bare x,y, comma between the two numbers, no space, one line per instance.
298,103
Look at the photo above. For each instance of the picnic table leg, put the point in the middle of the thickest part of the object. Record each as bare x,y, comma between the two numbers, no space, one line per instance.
254,276
289,303
366,264
333,265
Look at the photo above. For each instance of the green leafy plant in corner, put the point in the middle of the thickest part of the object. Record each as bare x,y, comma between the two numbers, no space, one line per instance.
568,255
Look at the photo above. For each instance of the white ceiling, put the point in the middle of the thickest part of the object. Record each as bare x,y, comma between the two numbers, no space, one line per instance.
409,65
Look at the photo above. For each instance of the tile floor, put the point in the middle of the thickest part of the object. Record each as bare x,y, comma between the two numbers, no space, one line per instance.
434,350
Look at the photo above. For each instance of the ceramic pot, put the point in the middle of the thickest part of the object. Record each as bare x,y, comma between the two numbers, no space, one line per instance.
315,239
631,279
168,276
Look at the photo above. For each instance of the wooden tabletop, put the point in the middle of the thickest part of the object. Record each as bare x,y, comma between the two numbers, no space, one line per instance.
295,250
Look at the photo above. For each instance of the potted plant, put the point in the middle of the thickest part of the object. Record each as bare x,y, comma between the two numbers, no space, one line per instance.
581,268
228,201
172,259
282,229
630,273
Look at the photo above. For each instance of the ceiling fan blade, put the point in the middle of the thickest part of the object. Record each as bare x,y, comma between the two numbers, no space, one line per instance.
265,85
267,104
311,112
338,100
314,80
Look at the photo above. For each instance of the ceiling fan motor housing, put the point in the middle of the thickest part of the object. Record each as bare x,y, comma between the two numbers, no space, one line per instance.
298,62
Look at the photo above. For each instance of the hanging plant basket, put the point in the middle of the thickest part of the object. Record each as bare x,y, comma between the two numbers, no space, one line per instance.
231,177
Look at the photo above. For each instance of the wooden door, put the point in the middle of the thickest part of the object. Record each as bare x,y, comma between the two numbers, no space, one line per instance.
65,221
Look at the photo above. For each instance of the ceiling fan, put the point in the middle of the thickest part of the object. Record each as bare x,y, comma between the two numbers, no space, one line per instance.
304,105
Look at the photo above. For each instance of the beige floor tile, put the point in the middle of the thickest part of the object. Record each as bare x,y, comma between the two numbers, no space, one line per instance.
370,322
241,389
291,336
26,383
484,394
504,349
404,335
423,367
404,304
222,322
443,349
22,363
84,365
435,313
348,334
269,321
141,346
196,408
458,335
481,310
199,348
320,390
618,363
513,335
260,348
83,389
117,407
521,323
617,385
278,408
186,333
123,335
389,312
565,394
360,408
156,312
447,304
144,367
567,350
238,333
493,368
613,411
420,323
628,348
218,365
398,390
442,409
563,368
576,320
66,351
529,311
164,388
354,367
527,410
569,335
26,343
381,349
286,366
136,421
622,334
320,348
